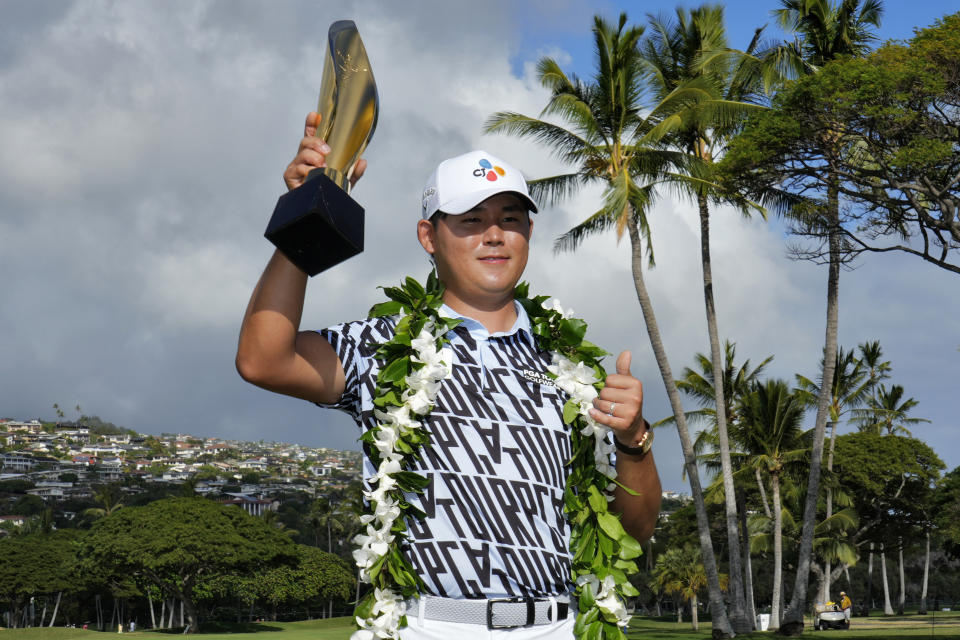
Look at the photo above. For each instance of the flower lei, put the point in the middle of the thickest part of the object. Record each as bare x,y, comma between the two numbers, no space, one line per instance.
415,362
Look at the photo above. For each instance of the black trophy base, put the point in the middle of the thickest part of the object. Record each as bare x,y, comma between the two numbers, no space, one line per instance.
317,225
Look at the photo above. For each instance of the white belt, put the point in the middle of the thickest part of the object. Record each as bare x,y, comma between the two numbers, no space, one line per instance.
495,613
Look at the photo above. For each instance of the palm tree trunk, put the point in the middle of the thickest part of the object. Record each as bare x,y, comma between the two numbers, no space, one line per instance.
777,552
717,608
56,608
794,613
763,494
747,563
694,616
887,608
822,594
870,580
153,619
738,608
833,440
902,598
926,576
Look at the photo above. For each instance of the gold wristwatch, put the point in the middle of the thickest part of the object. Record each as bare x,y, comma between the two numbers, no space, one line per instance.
641,448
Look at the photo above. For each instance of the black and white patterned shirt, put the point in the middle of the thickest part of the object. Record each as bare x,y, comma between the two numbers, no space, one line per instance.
495,524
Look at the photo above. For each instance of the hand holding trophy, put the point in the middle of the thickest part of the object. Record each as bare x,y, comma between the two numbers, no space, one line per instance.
317,225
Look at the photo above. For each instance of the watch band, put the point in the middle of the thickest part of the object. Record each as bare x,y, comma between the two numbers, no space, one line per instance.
641,448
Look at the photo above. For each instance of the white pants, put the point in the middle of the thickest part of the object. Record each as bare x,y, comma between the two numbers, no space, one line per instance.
440,630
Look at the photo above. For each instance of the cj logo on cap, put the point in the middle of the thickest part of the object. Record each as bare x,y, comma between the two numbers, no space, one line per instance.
488,171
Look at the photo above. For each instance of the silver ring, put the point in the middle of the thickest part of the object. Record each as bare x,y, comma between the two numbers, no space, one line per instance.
613,405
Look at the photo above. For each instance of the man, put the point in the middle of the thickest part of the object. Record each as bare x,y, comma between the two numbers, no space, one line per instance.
846,606
494,525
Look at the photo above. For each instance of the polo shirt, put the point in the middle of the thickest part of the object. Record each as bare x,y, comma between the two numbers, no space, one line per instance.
494,523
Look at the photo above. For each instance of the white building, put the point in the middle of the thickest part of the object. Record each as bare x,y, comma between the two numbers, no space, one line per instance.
16,462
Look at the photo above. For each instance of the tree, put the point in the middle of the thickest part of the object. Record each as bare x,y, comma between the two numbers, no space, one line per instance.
175,542
771,430
36,565
110,497
737,383
693,49
611,138
946,506
314,575
803,162
851,387
898,111
886,414
891,480
680,571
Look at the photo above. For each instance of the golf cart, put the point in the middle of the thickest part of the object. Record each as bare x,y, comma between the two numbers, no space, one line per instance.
829,616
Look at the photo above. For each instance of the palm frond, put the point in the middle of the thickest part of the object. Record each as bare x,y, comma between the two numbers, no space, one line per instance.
597,223
561,141
555,189
552,77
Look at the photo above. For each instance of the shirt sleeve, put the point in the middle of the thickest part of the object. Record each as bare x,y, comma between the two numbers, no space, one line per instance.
345,345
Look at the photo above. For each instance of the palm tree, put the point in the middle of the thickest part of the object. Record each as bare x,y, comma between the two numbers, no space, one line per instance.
851,387
772,418
885,413
737,382
694,48
324,515
871,355
613,139
827,31
109,496
830,534
680,571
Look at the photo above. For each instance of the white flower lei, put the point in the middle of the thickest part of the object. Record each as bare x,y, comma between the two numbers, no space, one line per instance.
407,387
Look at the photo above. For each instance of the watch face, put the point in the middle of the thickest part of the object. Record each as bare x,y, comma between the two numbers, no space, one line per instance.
647,441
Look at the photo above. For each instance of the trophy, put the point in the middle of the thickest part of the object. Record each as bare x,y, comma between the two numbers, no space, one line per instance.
318,225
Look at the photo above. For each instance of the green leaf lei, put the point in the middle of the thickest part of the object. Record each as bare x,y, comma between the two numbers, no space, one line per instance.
413,366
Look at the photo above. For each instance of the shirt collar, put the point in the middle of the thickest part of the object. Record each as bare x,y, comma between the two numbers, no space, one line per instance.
479,332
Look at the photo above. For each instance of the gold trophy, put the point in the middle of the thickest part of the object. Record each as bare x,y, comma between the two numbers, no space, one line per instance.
317,225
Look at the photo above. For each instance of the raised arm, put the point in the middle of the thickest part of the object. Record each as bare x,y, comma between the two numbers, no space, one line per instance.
272,351
620,407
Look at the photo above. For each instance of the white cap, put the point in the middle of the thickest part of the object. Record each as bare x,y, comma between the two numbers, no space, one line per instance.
459,184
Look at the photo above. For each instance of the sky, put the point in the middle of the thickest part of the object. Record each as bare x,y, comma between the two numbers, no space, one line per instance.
143,145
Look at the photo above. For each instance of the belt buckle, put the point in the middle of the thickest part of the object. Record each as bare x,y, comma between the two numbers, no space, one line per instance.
531,611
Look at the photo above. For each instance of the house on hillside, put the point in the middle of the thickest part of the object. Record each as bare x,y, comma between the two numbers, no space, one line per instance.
251,504
33,426
253,464
51,490
14,462
110,470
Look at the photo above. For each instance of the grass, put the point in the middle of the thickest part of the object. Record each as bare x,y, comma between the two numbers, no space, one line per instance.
329,629
946,627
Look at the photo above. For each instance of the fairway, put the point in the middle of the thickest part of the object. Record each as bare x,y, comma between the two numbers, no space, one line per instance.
943,625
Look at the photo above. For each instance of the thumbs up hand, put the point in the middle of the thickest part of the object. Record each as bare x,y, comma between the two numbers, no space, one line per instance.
620,404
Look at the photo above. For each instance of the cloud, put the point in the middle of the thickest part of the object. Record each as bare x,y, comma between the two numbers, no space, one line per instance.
143,150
